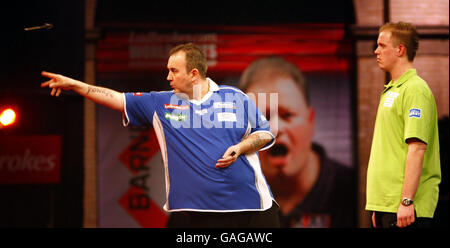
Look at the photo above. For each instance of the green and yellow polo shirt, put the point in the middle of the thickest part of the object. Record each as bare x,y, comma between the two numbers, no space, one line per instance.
407,109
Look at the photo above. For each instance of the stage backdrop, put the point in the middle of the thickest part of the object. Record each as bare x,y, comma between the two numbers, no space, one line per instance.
30,159
131,173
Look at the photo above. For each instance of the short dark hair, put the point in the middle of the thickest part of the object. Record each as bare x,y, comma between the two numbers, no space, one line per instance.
195,59
405,34
277,66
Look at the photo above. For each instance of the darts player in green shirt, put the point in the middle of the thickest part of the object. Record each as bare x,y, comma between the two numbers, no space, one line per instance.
404,172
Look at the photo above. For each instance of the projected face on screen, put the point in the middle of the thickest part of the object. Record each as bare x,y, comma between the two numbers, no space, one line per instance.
292,149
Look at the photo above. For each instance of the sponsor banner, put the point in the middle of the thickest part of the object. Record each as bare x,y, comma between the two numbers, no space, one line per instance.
230,48
131,175
142,208
30,159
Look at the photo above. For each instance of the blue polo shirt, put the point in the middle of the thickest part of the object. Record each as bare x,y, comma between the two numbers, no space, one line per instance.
193,135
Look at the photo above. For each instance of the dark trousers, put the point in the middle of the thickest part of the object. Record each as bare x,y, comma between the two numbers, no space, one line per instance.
389,220
247,219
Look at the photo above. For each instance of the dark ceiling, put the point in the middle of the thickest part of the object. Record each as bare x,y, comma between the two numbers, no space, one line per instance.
226,12
61,49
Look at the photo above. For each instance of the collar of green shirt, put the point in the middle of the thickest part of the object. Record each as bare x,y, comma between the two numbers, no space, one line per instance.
408,74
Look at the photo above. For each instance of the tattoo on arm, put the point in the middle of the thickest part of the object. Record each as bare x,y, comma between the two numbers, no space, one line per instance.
254,142
257,141
98,90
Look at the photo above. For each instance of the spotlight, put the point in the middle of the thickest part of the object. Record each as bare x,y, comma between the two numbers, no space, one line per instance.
7,117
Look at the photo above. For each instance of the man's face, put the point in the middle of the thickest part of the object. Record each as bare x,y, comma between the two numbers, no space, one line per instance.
295,128
180,80
386,52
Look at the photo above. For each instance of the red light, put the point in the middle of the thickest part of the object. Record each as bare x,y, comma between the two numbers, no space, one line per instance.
7,117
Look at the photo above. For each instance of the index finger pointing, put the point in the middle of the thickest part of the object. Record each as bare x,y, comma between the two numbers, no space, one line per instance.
48,74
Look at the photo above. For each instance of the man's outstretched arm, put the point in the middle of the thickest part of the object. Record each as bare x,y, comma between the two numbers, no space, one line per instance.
100,95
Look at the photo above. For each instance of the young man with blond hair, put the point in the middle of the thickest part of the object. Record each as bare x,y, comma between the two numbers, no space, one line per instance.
404,167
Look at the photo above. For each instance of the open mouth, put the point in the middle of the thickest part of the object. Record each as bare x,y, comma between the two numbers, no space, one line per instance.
278,150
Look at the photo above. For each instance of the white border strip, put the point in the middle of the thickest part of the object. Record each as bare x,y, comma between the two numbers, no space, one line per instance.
157,126
125,119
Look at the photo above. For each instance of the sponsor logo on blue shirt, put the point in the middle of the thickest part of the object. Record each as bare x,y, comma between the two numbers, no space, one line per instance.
414,113
174,117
